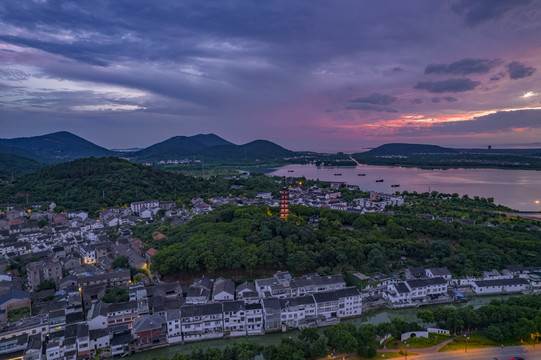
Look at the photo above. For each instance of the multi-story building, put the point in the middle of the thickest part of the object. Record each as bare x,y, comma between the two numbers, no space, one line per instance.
149,330
201,322
40,271
234,318
254,319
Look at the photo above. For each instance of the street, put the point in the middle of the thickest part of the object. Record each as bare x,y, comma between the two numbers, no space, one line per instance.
528,353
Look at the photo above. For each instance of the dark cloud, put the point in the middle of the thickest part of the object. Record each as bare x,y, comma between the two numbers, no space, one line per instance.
13,74
416,101
449,85
477,12
448,99
371,107
518,70
464,67
397,69
375,99
497,76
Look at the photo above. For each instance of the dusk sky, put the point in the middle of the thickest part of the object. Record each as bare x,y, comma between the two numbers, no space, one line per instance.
308,75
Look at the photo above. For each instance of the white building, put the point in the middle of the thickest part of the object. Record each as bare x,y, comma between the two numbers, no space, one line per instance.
500,286
149,204
234,318
254,319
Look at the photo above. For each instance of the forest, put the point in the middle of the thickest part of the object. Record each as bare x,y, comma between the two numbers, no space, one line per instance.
250,239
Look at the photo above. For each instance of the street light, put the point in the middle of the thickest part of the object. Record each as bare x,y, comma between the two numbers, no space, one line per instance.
467,338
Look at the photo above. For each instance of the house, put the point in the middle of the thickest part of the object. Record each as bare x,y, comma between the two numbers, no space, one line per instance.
120,343
234,318
297,311
83,341
99,339
147,204
148,331
201,322
197,295
174,326
326,306
500,286
272,314
349,302
246,292
439,272
254,319
45,270
420,290
223,290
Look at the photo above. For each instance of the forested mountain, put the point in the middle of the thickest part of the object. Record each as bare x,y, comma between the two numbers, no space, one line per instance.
16,165
261,150
53,148
211,148
94,183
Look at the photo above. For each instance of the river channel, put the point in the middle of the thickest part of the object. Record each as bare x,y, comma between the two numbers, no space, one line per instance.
517,189
374,317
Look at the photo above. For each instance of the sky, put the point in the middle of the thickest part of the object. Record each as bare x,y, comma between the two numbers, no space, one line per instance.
307,74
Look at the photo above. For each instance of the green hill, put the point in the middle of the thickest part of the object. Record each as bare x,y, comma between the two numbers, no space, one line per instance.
179,146
212,148
407,149
54,147
16,165
95,183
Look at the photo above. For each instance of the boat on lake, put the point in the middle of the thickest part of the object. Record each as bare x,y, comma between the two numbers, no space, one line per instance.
338,174
379,180
361,174
395,185
290,170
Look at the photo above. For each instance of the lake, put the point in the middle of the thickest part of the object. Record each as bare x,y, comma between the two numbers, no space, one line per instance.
517,189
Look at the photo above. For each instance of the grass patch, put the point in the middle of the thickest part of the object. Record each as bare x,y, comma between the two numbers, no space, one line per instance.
476,341
417,342
18,314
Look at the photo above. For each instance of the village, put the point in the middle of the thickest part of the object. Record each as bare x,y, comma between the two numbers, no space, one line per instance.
58,280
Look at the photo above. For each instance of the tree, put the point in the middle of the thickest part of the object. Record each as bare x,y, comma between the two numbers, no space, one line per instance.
121,262
494,333
46,285
426,316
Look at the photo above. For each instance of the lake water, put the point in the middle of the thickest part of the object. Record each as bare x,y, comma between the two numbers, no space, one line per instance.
517,189
376,317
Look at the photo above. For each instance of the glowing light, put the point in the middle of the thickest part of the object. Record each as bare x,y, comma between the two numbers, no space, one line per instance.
536,201
528,94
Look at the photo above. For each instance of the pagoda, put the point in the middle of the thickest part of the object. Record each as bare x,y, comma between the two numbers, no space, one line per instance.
284,203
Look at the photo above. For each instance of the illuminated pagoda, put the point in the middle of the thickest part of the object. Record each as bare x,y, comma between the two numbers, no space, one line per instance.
284,203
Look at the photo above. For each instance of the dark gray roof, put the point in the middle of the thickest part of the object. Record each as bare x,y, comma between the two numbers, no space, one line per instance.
98,333
247,285
223,285
147,322
123,306
121,338
253,306
233,306
442,271
401,287
14,294
417,283
327,280
197,292
501,282
200,310
325,296
417,272
297,301
271,303
347,292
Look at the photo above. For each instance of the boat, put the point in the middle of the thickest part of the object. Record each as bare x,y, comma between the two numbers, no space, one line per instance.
379,180
361,174
290,170
338,174
395,185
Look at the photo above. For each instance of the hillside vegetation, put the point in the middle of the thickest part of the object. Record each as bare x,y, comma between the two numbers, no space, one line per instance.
94,183
248,239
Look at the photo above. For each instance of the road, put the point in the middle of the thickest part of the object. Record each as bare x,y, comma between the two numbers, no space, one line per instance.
526,352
